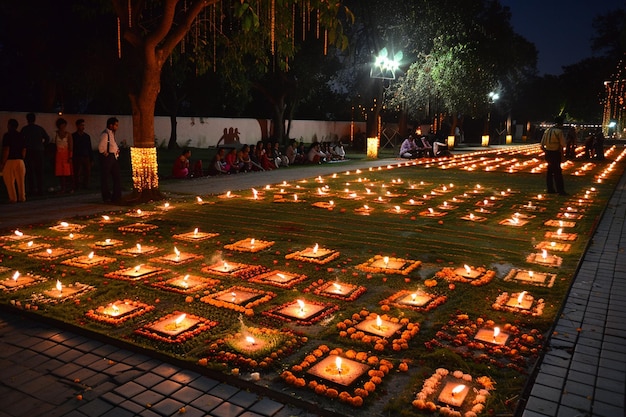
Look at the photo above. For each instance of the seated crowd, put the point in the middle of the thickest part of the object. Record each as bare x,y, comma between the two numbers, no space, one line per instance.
263,156
412,148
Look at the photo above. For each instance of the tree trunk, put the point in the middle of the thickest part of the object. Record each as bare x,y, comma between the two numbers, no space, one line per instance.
143,153
173,144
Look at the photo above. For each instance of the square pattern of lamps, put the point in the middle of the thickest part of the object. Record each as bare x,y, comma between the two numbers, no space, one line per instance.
372,147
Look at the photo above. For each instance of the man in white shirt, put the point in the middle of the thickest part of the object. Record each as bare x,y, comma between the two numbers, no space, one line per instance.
109,165
408,148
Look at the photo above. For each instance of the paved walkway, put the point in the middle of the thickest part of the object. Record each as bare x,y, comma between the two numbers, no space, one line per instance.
48,371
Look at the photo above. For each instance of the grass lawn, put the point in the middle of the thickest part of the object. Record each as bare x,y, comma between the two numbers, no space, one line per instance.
422,224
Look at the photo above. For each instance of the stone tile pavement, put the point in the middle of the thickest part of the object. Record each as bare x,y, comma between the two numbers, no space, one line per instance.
583,372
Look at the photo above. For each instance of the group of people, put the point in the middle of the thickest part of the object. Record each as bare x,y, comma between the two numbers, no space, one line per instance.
412,148
24,153
263,156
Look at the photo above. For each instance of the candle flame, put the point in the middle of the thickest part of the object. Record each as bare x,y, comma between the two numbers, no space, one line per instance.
227,193
553,244
496,332
411,201
138,247
106,218
457,389
468,269
49,252
225,265
29,244
544,254
59,286
199,199
430,210
295,197
90,256
180,319
301,305
166,205
250,340
195,231
397,208
18,233
531,274
366,207
16,275
71,235
255,193
386,261
379,321
520,297
116,310
559,231
137,268
315,248
139,212
471,216
64,224
176,251
107,241
252,242
337,286
331,202
338,363
413,296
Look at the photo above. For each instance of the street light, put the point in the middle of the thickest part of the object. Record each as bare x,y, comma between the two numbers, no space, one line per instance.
492,98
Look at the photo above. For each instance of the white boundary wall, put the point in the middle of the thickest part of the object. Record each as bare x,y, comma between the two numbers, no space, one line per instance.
195,132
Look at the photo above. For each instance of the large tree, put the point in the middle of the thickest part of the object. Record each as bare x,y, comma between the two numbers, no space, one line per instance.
220,34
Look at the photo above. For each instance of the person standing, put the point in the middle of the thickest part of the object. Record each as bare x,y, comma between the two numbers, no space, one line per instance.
12,164
82,155
36,140
109,164
63,155
552,143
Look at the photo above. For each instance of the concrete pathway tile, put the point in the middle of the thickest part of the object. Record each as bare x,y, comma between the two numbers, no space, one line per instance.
266,407
95,407
206,402
204,383
223,391
167,407
227,409
147,398
244,398
186,394
167,387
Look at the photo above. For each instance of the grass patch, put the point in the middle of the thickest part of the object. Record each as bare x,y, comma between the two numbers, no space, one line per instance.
442,242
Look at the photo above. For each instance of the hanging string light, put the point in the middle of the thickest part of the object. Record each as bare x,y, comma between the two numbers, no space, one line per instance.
272,26
130,14
325,42
119,38
317,26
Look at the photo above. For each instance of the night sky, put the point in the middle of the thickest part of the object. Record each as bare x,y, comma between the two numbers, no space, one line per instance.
560,29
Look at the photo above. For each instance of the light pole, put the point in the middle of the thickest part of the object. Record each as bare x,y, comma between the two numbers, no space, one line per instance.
492,98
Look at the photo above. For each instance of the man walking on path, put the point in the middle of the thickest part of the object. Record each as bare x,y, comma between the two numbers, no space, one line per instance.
552,143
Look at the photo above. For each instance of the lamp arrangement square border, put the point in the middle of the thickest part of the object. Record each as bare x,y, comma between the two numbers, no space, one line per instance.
99,314
145,250
281,344
449,274
165,284
459,333
502,303
324,205
55,254
263,279
245,245
327,310
245,272
24,247
76,261
203,325
189,238
104,244
189,257
548,282
246,307
80,289
392,301
332,255
119,274
474,403
408,267
320,287
137,227
76,236
557,247
349,328
67,227
535,258
561,236
298,376
559,223
36,279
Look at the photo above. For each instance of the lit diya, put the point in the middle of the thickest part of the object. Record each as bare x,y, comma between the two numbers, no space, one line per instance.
228,195
554,246
185,283
119,311
379,327
52,253
277,278
328,205
338,370
87,261
413,202
61,292
414,299
139,213
29,246
560,235
541,279
431,212
238,298
315,254
178,257
135,273
138,250
397,210
492,335
559,223
177,327
137,227
19,235
225,268
515,221
67,227
17,281
468,272
195,236
302,312
249,245
389,265
543,258
107,243
453,394
473,218
365,210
